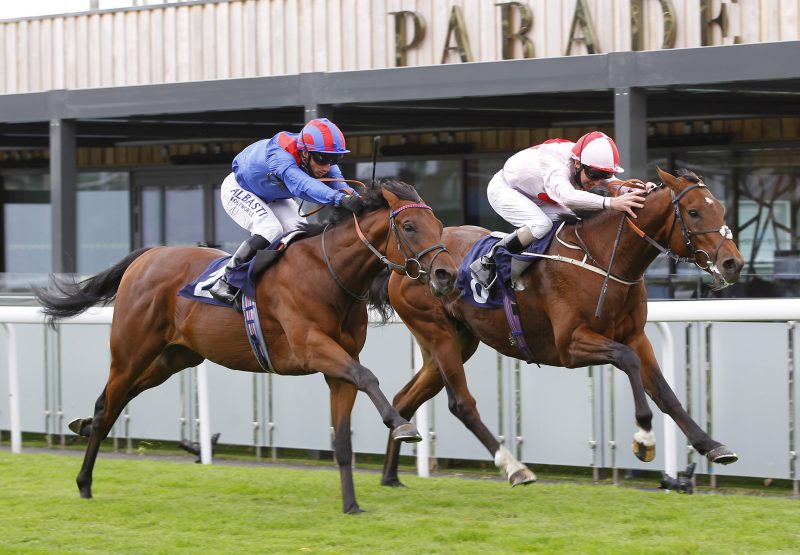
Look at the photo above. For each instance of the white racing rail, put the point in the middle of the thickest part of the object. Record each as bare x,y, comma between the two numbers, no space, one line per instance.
659,313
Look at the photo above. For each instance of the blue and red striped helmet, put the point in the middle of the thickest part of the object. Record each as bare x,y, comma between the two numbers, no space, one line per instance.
322,135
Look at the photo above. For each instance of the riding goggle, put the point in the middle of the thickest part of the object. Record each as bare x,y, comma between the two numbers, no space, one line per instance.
595,174
325,158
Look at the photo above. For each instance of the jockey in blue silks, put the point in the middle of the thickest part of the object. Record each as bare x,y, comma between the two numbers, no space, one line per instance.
268,175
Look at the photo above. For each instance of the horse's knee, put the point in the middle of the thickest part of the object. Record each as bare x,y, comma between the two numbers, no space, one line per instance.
363,378
627,359
462,407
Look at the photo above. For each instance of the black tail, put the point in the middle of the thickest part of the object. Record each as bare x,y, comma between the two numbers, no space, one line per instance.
66,298
379,296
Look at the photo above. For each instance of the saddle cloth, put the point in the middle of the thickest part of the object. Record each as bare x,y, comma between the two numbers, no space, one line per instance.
242,277
472,292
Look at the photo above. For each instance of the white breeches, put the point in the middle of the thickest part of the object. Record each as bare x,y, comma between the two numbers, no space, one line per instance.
270,220
519,210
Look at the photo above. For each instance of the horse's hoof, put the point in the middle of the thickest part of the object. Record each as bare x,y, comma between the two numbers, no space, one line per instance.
722,454
393,483
644,453
78,426
86,492
406,432
354,510
522,477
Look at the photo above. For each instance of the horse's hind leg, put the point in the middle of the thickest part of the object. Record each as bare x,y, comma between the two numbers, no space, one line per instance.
666,400
343,396
122,387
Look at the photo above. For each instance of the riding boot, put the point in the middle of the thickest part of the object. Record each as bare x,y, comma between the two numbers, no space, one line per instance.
484,268
224,291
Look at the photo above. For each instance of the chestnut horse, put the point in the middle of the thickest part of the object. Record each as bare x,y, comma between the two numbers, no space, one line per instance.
311,305
557,313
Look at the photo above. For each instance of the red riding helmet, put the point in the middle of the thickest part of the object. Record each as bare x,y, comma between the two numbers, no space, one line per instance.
597,150
322,135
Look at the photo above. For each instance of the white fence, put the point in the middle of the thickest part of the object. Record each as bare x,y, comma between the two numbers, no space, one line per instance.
699,382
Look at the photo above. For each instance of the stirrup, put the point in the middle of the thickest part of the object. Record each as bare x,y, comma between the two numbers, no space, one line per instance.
484,273
223,291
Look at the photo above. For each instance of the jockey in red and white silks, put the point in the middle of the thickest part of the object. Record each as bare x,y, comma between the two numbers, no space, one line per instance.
541,183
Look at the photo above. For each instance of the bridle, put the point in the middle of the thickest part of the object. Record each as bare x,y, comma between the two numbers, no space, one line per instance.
696,255
688,234
411,267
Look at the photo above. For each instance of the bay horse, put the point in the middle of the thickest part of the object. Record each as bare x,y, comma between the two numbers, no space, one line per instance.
557,312
312,313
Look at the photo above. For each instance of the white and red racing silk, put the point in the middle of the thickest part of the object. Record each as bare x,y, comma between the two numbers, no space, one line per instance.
542,173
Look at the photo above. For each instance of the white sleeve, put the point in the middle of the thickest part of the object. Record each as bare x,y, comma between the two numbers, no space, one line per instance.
559,188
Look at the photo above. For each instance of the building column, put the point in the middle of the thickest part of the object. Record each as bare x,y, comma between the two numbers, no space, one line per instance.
630,131
63,195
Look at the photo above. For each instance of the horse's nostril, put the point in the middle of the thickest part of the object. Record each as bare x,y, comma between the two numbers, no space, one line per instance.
444,277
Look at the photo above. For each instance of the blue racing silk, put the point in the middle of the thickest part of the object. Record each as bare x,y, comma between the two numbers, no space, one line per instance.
271,169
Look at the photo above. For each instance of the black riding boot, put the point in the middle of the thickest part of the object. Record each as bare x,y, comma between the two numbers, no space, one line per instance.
224,291
484,268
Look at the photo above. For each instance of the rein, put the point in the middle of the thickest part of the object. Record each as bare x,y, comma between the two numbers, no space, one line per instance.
402,245
320,207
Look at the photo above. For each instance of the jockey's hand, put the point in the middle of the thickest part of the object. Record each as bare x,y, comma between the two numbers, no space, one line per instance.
352,203
627,202
649,186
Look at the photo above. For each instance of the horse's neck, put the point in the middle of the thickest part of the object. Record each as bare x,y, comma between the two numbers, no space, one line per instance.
354,263
633,254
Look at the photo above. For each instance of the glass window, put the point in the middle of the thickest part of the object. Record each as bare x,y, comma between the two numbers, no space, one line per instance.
104,234
438,182
184,216
479,211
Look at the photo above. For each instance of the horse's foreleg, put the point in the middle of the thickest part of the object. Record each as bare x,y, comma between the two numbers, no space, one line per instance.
664,397
423,386
328,357
586,348
343,396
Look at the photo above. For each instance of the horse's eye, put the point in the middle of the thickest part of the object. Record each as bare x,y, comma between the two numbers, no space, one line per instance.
693,213
408,227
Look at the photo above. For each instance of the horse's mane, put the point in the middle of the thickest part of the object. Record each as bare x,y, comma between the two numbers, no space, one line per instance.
373,200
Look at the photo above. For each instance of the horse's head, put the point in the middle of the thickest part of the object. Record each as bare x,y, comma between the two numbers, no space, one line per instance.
698,231
417,250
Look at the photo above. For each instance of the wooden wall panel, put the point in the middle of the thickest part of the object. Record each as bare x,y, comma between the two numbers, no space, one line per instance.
247,38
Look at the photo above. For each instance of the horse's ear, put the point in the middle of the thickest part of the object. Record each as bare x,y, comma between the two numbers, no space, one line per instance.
666,177
390,197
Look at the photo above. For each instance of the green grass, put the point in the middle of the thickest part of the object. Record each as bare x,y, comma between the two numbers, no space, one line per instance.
166,506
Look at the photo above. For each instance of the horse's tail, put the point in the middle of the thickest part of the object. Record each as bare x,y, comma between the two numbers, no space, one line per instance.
66,297
379,296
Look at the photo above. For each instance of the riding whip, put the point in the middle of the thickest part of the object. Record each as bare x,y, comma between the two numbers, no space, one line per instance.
375,142
608,272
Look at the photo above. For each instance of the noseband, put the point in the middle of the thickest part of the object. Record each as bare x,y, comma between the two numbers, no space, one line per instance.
411,267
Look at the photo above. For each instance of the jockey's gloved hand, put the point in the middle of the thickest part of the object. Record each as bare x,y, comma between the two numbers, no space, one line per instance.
352,203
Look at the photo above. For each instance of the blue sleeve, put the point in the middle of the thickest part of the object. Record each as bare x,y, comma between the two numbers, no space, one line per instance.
299,183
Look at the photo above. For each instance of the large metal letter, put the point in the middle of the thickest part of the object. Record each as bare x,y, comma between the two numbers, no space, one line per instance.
722,20
401,43
525,23
637,24
456,27
584,19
